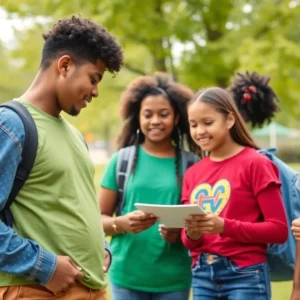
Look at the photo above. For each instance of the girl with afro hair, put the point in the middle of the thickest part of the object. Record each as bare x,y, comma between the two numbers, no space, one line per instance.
149,261
258,103
254,97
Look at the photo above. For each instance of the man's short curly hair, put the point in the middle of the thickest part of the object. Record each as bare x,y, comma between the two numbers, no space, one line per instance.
83,40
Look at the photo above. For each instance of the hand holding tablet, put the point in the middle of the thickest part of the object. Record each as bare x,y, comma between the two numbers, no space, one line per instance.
171,216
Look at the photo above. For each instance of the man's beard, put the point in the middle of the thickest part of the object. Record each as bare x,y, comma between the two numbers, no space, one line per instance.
73,112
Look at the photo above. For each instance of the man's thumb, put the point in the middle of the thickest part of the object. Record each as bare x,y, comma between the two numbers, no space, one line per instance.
79,275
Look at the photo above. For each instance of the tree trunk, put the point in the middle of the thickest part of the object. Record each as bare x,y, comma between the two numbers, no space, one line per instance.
158,52
159,56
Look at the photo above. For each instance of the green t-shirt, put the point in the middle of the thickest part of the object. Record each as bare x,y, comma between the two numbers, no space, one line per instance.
145,261
57,207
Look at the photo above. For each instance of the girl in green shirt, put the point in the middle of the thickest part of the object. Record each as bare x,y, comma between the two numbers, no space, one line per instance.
149,261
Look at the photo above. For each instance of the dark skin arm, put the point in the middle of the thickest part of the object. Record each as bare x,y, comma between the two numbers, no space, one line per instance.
171,235
133,222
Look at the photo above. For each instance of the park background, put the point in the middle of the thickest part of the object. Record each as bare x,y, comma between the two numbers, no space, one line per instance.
199,42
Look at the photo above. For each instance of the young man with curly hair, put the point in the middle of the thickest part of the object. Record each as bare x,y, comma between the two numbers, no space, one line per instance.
56,247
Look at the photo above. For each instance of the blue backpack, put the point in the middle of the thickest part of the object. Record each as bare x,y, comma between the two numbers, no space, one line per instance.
28,156
281,257
29,153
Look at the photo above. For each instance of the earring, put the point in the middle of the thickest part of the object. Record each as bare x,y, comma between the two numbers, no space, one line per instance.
137,135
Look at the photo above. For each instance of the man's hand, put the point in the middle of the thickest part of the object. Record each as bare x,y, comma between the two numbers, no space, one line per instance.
196,225
296,229
65,275
171,235
107,261
135,221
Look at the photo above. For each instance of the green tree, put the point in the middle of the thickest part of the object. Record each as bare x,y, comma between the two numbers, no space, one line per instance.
11,82
217,38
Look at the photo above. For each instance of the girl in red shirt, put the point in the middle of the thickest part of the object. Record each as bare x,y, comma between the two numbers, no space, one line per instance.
239,189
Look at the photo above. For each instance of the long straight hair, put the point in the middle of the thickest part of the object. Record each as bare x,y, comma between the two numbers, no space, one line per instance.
221,100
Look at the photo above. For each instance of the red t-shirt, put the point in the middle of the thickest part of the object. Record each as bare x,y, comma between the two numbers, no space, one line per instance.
245,191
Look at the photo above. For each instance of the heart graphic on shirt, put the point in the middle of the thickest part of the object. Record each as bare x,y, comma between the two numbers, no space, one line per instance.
211,199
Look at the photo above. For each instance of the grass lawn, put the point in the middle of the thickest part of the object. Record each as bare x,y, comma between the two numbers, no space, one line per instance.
280,290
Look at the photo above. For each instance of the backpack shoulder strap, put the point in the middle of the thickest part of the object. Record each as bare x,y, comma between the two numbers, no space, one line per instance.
124,164
28,154
270,152
281,257
188,159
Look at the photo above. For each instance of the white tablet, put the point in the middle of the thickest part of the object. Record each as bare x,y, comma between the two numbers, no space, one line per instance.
171,216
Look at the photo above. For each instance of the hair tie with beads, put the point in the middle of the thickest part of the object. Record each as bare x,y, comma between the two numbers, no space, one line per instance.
248,91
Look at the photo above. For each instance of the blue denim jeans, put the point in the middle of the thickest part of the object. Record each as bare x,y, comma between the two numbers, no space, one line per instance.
217,277
119,293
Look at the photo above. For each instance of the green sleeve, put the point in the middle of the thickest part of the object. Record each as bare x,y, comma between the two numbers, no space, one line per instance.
109,179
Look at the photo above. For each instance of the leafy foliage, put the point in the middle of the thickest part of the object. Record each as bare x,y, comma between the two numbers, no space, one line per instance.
200,42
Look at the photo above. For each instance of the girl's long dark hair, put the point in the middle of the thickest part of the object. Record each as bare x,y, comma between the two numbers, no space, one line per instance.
254,97
177,94
221,100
